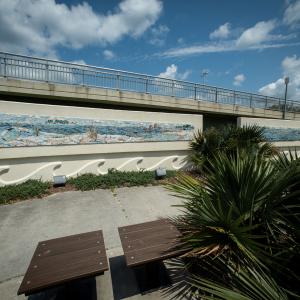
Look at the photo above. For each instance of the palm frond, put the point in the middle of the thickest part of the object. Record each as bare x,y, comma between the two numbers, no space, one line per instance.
246,284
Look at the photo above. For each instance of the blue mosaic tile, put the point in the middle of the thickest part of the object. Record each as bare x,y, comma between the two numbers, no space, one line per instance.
30,130
273,134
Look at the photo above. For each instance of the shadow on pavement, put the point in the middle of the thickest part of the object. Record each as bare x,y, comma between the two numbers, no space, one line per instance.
123,279
83,289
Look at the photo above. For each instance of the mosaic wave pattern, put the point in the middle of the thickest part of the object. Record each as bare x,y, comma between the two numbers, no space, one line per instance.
28,131
282,134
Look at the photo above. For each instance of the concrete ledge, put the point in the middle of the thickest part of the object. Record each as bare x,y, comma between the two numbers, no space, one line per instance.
69,150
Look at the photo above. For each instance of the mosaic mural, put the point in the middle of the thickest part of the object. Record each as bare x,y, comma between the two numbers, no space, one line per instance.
273,134
27,130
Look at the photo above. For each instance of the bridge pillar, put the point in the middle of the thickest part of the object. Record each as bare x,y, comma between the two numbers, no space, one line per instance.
218,121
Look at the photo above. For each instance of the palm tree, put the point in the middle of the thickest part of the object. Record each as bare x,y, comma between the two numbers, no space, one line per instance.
248,138
240,227
204,145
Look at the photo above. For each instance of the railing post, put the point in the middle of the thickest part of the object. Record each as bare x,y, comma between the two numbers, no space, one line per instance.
4,65
118,82
147,82
173,95
216,96
251,99
266,102
47,72
195,91
279,105
291,106
234,98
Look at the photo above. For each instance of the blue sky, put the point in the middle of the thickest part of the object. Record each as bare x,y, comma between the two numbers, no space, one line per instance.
245,45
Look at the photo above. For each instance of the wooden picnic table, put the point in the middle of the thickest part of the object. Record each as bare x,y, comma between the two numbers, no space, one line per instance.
63,260
145,246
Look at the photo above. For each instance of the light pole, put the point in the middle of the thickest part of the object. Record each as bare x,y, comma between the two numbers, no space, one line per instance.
204,73
286,82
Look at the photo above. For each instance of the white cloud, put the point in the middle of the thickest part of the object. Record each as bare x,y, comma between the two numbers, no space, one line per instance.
222,32
275,88
41,26
257,34
197,49
184,75
291,68
258,37
158,35
79,62
171,72
108,54
239,79
180,40
292,14
219,47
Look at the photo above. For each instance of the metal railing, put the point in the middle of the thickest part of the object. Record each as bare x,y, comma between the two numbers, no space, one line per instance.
32,68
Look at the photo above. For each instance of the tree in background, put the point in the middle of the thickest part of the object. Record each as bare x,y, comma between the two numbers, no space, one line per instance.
228,140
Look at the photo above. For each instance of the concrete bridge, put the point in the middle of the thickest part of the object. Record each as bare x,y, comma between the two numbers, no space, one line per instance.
35,91
30,79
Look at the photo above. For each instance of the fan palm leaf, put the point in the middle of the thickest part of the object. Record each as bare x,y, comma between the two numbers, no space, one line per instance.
245,211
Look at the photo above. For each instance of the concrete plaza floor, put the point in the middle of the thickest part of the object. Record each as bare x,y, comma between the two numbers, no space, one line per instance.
24,224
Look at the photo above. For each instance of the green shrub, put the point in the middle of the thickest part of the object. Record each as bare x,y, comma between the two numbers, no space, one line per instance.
85,182
26,190
37,188
115,178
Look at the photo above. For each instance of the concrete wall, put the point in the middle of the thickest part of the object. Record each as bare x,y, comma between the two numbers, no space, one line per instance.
22,163
289,129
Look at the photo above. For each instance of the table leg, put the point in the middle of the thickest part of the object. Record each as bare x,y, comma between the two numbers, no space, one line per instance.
81,289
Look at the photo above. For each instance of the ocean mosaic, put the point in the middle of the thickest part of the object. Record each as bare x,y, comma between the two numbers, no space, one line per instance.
32,130
273,134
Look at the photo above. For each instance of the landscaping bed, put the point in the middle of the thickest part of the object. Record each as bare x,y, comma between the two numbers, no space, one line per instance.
113,179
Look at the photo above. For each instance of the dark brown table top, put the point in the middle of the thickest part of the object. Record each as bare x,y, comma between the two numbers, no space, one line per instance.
149,242
64,259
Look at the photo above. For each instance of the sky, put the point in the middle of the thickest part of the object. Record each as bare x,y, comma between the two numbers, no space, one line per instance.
243,45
